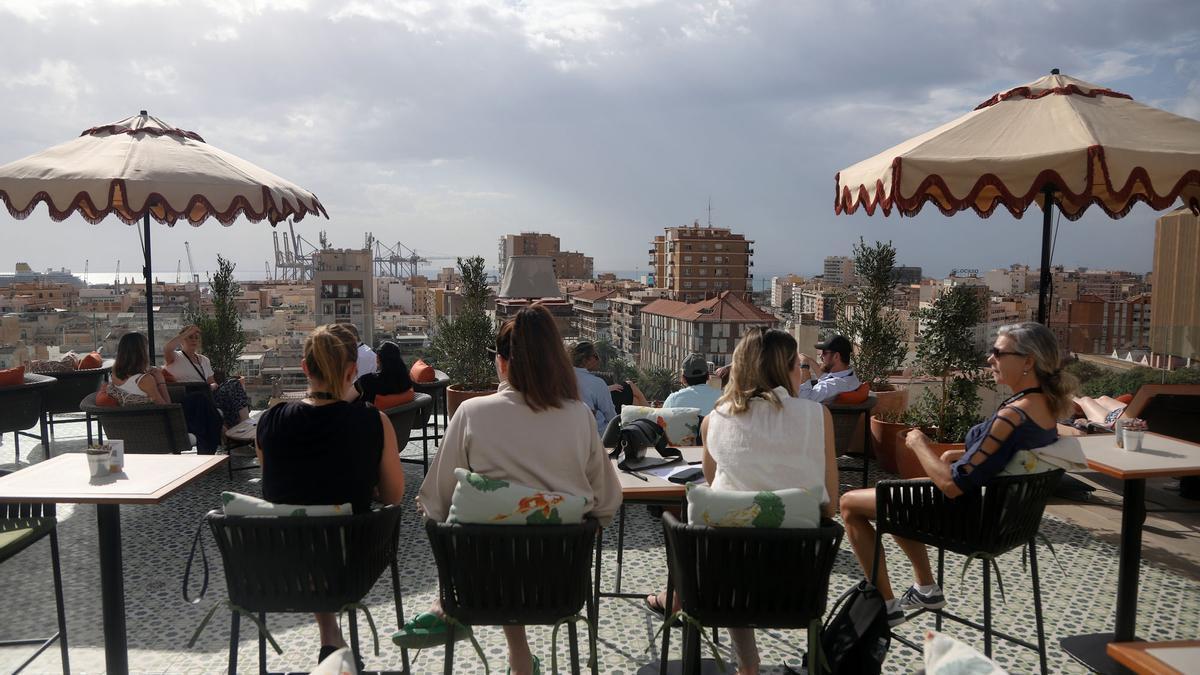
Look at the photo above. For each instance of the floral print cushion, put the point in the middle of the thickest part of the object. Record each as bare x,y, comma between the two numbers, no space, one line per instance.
790,508
682,425
482,500
946,656
236,504
1025,462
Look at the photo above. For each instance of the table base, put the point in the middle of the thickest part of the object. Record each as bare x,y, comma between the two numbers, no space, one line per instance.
1092,651
112,588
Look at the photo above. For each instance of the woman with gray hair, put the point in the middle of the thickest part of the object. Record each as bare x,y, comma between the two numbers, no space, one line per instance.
1026,359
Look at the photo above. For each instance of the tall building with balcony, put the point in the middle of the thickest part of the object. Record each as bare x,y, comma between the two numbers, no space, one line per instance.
1096,325
626,325
567,264
694,263
839,271
592,314
344,285
1175,324
671,329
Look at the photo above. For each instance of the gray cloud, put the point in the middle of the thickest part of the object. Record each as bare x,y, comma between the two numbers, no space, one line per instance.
447,124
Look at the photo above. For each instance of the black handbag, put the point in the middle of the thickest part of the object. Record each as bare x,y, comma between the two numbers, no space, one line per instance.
632,441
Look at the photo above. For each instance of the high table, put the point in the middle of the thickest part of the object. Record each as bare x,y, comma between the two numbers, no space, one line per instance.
1157,658
146,479
1160,456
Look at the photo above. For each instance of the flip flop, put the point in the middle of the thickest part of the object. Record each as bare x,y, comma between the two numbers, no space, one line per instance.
652,603
426,630
537,667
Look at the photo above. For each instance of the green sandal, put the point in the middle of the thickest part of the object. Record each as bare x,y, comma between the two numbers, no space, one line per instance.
537,667
426,630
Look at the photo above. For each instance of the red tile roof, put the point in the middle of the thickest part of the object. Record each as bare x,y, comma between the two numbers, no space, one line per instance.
724,308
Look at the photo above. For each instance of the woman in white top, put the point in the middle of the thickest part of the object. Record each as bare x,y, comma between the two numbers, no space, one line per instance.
759,437
134,380
183,359
534,431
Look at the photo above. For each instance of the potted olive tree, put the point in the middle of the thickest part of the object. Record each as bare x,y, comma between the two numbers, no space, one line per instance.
460,343
947,352
873,324
221,332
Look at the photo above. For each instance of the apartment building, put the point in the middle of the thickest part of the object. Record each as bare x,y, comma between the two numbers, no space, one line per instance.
839,271
672,329
1175,324
625,314
694,263
592,310
567,264
781,289
1099,326
344,289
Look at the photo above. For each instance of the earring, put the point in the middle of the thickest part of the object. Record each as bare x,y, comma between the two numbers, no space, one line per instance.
1025,372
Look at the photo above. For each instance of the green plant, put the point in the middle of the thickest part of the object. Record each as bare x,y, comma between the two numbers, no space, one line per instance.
221,332
459,345
947,351
657,383
873,323
1099,381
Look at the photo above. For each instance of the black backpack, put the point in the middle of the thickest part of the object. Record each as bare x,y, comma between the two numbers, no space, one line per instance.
856,637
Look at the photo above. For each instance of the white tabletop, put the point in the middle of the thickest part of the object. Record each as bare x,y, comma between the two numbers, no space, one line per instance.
146,479
655,487
1160,455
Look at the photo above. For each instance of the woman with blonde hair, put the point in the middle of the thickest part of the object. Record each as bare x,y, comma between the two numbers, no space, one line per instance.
760,437
1026,359
328,448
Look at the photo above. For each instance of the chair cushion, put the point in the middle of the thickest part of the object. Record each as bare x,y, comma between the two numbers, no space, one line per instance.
385,401
10,537
1125,398
12,376
946,656
422,372
790,508
90,361
682,425
487,501
103,398
1025,462
854,397
236,504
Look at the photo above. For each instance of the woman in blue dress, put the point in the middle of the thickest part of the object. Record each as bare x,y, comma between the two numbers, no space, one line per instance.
1026,359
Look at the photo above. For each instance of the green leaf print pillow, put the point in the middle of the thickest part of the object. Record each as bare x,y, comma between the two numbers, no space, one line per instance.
790,508
482,500
236,504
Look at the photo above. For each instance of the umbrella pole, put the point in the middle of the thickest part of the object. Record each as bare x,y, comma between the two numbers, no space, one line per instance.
149,290
1044,283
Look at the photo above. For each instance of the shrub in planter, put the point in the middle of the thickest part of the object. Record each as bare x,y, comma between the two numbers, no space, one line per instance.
460,344
872,322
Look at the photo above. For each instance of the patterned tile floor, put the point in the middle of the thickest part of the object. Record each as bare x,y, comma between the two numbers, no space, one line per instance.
1078,598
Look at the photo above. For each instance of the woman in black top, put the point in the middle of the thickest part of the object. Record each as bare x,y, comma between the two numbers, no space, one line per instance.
325,449
392,380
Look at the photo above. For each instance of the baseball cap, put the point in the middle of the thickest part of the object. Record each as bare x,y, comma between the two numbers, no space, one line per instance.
694,365
837,343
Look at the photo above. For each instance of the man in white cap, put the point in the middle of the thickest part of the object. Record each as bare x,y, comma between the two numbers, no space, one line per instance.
693,374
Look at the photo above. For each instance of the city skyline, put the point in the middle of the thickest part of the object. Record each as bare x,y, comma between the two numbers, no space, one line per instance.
445,127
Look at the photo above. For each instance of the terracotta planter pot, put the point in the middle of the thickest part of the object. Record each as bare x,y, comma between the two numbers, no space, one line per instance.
455,396
883,442
906,460
890,400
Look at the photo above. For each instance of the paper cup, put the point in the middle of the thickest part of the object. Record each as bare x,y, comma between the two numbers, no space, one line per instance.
98,462
1133,440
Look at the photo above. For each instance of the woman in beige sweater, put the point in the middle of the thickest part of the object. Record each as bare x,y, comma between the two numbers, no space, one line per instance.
534,431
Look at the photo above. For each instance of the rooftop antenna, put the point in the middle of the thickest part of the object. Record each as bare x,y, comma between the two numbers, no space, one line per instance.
710,212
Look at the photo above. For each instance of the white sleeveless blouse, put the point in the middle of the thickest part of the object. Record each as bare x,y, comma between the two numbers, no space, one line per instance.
769,448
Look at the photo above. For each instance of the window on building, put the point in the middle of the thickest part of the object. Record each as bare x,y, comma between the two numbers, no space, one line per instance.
687,258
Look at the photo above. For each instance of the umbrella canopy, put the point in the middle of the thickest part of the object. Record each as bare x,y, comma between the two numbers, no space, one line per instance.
1077,143
142,167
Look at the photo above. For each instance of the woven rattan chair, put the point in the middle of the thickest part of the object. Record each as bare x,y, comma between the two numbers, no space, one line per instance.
741,577
146,429
514,575
21,407
71,387
848,418
21,526
412,415
305,564
983,524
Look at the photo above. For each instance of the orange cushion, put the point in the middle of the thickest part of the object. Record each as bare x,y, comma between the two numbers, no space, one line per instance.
1125,398
385,401
102,397
12,376
90,361
854,397
422,372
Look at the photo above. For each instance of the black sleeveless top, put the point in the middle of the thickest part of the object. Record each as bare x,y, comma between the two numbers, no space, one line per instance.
326,454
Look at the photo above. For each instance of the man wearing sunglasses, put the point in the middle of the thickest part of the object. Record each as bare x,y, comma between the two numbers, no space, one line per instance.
831,375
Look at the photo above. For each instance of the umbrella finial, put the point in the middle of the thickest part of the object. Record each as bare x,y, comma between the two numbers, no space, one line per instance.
143,113
1053,71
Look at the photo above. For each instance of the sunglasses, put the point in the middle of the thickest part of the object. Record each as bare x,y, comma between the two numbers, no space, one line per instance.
492,352
997,353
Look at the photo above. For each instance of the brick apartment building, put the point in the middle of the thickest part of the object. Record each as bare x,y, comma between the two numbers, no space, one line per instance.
671,329
1099,326
694,263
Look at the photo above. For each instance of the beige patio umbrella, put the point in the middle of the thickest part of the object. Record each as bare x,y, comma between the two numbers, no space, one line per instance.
1058,140
142,167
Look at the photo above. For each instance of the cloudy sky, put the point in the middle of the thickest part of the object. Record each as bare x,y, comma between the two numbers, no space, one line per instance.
445,124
